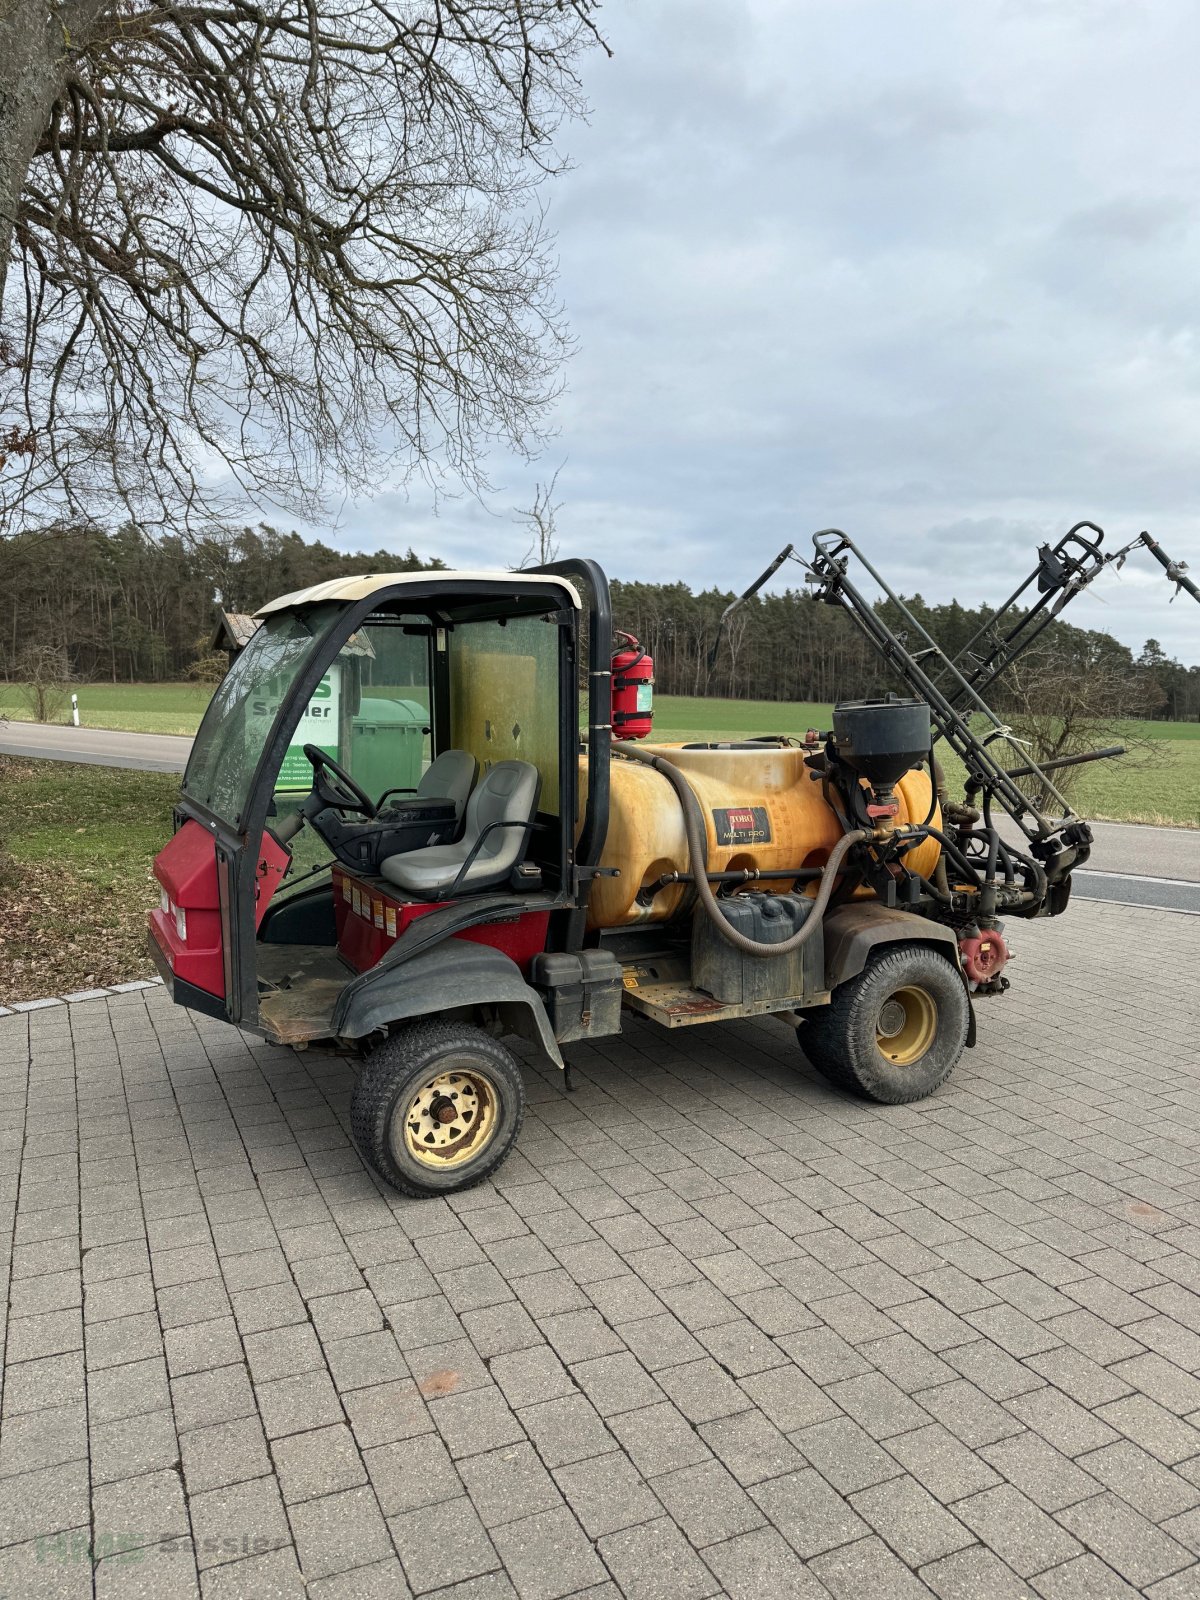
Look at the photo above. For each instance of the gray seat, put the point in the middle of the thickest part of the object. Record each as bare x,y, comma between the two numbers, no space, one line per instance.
499,815
451,776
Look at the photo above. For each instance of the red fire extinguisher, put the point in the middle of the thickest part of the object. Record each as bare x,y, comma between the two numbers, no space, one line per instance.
632,690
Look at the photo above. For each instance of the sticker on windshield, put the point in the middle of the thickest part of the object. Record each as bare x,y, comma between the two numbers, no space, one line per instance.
319,724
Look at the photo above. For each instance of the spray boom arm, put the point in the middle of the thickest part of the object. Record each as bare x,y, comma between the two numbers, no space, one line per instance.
953,689
747,594
1063,571
940,682
1175,570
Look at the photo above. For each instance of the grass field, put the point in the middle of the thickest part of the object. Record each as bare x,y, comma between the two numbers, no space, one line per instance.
687,717
1167,791
133,707
73,896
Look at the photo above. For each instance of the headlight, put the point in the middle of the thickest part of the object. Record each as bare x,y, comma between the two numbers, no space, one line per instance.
181,923
164,900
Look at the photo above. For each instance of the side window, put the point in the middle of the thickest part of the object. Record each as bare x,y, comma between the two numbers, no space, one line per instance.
504,695
370,712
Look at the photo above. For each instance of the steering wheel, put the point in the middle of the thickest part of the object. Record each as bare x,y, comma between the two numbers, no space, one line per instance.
342,793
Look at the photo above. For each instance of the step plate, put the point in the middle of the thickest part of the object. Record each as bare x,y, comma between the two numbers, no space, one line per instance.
675,1005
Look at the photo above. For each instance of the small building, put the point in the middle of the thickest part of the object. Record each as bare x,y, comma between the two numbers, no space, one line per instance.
232,632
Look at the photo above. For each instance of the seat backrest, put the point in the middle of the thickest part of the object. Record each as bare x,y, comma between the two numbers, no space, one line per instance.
507,792
450,777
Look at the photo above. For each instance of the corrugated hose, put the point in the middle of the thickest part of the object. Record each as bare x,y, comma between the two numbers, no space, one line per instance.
697,840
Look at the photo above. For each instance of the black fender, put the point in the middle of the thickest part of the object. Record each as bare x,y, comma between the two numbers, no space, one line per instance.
853,931
456,976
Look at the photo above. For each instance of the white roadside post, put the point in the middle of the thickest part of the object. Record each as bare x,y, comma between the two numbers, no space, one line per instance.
75,710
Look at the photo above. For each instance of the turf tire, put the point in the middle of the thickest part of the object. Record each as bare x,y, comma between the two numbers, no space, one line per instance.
840,1040
392,1073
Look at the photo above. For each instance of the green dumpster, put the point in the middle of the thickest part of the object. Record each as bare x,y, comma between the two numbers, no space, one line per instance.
388,744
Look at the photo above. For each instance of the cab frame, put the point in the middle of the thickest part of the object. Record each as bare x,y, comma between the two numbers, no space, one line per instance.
238,845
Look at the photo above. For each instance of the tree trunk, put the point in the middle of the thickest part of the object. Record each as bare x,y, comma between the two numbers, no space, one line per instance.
34,44
31,64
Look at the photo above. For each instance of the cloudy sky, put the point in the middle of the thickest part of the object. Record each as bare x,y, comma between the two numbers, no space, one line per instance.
924,270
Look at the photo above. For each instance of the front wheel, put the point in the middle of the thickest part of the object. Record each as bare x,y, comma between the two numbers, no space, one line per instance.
437,1106
895,1032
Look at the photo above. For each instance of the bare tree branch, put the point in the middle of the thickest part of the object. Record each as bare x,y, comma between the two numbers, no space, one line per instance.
267,245
1078,694
540,519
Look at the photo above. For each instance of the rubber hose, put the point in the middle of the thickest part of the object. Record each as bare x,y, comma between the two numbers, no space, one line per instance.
697,839
987,895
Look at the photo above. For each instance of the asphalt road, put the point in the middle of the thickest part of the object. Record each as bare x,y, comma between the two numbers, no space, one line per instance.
1135,865
104,747
1132,889
1130,864
1127,847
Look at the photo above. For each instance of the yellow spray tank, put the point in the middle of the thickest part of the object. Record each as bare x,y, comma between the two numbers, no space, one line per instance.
763,809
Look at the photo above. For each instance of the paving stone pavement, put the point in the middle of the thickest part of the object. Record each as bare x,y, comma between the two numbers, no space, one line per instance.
714,1329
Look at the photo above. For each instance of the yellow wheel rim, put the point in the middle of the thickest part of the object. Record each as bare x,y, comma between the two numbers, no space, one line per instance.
906,1026
451,1119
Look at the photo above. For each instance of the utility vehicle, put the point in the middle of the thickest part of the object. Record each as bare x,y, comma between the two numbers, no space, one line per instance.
533,875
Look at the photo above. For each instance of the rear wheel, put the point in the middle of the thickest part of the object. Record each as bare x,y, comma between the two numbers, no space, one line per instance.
437,1107
895,1032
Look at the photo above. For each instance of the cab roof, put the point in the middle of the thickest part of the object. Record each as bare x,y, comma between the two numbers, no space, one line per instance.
459,585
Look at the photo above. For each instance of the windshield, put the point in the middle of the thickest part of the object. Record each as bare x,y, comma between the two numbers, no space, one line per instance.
238,722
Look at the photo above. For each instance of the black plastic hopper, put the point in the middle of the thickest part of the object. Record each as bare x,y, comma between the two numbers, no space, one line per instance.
881,739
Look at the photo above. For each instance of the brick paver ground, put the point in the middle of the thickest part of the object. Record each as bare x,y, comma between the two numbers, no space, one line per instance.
714,1329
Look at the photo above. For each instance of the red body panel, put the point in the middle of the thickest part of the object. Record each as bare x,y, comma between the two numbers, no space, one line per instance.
369,921
273,859
186,867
